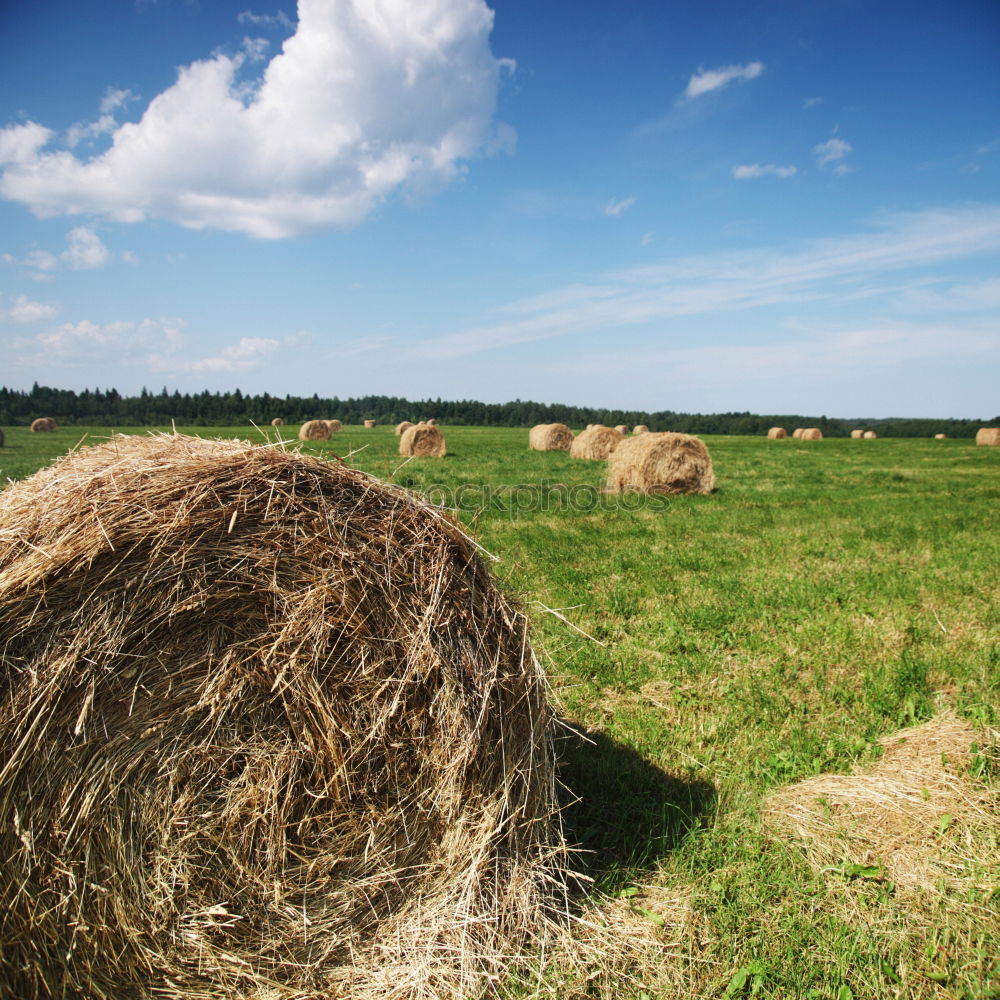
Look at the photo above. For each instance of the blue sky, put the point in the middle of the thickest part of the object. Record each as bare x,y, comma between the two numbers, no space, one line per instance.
774,206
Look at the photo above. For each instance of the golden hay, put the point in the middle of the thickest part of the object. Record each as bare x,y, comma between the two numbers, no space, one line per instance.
403,425
640,429
595,443
423,441
870,435
988,435
857,433
44,424
432,422
940,437
811,434
333,426
777,433
277,422
314,430
622,429
661,463
797,433
269,730
550,437
369,423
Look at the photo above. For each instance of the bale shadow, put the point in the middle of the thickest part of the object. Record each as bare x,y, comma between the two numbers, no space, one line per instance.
622,813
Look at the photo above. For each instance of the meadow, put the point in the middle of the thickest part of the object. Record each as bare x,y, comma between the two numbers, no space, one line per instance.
706,652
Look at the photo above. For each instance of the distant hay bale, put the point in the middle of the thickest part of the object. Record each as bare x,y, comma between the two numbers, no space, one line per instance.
550,437
334,426
314,430
940,437
661,463
622,429
811,434
44,424
797,433
277,422
988,435
369,423
870,435
640,429
857,433
777,433
422,441
596,443
268,729
403,425
432,422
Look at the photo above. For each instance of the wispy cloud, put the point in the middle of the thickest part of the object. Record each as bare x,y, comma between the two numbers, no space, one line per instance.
86,344
707,80
830,155
84,251
106,123
750,171
246,354
278,20
617,206
24,310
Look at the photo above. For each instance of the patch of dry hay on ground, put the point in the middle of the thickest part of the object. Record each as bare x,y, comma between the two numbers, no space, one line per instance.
667,463
403,425
269,730
777,433
988,435
422,441
811,434
595,443
640,429
49,424
550,437
314,430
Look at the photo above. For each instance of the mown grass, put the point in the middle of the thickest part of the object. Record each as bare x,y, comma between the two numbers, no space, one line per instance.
827,594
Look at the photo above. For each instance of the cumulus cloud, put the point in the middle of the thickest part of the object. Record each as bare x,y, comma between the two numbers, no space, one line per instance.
707,80
86,344
107,122
830,155
617,206
365,98
750,171
24,310
84,252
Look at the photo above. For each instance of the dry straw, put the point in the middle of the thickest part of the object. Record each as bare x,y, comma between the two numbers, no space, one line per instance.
422,441
811,434
988,435
661,463
269,730
314,430
640,429
44,424
622,429
432,422
797,433
595,443
940,437
550,437
369,423
857,433
777,433
403,425
334,426
870,435
277,422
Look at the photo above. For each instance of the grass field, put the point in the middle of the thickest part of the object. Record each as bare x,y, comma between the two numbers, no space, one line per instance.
721,648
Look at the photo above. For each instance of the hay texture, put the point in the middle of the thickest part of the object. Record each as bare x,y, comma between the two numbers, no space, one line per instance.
622,429
550,437
596,443
277,422
369,423
940,437
269,731
403,425
857,433
777,433
43,424
988,435
422,441
432,422
314,430
661,463
640,429
811,434
870,435
797,433
334,426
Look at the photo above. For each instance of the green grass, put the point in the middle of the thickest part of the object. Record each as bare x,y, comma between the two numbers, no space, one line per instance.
827,594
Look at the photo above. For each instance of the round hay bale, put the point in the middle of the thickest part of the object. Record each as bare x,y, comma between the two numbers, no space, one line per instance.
622,429
857,433
812,434
661,463
596,443
797,433
550,437
369,423
422,441
403,425
870,435
777,433
277,422
334,426
269,729
314,430
640,429
940,437
432,422
988,435
43,424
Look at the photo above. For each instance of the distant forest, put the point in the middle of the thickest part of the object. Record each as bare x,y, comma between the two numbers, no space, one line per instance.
227,409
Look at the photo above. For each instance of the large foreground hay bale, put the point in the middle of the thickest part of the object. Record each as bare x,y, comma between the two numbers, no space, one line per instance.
857,433
277,422
640,429
870,435
661,463
334,426
777,433
988,435
43,424
369,423
403,425
314,430
269,730
550,437
811,434
797,433
422,441
595,443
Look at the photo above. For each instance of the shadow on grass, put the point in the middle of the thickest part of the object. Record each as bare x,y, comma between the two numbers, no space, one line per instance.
624,813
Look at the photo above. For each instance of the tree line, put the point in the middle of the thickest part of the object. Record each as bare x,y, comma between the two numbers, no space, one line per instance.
227,409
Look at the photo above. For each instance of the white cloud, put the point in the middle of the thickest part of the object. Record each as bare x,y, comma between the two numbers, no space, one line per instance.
84,252
706,80
647,239
92,345
751,170
248,353
366,97
24,310
279,20
107,122
830,154
617,206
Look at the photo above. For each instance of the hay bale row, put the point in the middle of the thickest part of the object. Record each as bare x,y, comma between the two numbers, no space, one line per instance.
422,441
595,443
857,433
870,435
272,730
550,437
43,425
811,434
667,463
988,435
777,433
